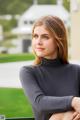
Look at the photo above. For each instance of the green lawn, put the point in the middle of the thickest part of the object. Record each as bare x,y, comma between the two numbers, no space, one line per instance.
16,57
13,103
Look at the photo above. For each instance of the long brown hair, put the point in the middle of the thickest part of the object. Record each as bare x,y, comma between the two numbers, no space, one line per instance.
57,27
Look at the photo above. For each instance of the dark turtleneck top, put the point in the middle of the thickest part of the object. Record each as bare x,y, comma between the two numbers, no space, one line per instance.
50,86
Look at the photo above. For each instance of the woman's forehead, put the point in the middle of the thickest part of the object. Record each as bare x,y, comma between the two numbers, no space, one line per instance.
42,28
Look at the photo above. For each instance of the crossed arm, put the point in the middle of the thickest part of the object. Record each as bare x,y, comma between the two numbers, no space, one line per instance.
49,103
70,115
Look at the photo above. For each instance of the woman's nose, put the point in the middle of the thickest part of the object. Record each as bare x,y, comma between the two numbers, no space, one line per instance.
39,41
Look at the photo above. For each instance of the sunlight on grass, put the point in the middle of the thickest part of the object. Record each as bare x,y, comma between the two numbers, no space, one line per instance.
15,57
13,103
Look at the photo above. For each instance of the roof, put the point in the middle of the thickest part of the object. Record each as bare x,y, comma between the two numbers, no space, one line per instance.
36,11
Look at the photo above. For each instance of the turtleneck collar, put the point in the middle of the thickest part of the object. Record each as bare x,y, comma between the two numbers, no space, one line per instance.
51,62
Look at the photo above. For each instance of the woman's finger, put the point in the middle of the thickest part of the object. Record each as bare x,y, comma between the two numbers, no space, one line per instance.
77,117
74,115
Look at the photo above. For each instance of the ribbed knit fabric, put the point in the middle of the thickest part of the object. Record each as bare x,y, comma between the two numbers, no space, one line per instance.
50,86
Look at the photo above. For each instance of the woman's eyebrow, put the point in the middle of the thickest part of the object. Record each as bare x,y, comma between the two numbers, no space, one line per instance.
45,34
41,34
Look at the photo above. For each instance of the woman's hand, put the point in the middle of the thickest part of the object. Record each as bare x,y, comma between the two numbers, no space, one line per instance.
76,104
57,116
75,116
71,115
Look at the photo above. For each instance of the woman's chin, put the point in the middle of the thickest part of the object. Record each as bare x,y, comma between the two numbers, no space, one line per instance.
40,55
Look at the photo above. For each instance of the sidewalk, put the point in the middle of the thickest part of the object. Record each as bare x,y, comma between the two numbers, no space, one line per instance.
9,74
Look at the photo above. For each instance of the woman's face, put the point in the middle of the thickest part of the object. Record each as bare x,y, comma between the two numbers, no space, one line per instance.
43,43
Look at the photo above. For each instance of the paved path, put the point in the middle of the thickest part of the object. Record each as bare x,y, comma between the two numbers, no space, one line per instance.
9,74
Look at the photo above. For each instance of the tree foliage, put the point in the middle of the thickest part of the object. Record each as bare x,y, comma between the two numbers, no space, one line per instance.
19,6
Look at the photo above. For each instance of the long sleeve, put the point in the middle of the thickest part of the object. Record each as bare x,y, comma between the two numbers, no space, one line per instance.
38,99
79,78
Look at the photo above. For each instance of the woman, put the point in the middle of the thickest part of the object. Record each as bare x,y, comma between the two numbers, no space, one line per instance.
52,83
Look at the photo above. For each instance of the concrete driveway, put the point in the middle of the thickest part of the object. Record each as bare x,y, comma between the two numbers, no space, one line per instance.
9,74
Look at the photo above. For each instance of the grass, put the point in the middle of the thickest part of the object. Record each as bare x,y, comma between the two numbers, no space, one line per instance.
15,57
13,103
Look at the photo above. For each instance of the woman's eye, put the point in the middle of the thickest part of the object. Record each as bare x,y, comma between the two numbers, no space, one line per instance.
45,37
35,36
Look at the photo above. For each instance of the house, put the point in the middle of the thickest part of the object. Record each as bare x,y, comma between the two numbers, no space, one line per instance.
36,11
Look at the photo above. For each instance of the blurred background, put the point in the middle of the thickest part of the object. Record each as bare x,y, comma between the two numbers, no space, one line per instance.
16,21
18,16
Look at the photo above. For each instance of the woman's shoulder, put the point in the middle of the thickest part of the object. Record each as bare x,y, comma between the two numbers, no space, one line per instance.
28,68
74,65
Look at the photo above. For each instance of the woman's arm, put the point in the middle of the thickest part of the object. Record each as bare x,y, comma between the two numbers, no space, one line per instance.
70,115
38,99
76,104
76,100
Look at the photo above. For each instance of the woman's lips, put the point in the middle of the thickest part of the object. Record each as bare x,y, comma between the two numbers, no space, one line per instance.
40,48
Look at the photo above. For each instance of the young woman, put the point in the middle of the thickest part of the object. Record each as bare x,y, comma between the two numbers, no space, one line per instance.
52,83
